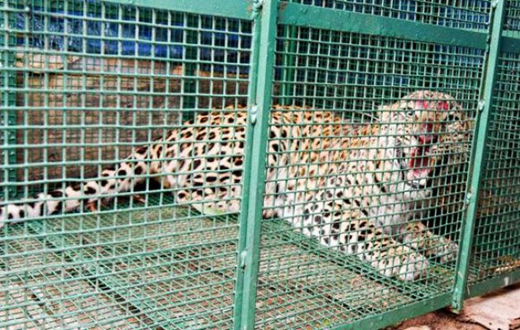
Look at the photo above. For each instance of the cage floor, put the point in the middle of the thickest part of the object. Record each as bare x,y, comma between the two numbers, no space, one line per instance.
169,268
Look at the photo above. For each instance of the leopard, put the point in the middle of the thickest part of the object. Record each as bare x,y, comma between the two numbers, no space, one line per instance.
355,187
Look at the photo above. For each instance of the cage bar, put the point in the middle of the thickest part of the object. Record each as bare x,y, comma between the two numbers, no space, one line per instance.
486,104
229,130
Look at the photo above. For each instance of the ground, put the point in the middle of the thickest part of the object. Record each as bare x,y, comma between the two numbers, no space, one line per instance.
440,320
496,310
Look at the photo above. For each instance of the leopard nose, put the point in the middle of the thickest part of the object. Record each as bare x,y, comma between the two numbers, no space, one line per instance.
428,139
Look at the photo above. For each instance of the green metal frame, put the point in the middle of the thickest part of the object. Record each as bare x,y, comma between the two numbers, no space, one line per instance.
330,19
478,157
492,284
494,41
266,16
264,33
240,9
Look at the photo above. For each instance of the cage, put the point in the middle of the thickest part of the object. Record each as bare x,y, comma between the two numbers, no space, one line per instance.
294,164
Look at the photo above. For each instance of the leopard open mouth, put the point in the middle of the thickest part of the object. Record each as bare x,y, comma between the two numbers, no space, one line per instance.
415,167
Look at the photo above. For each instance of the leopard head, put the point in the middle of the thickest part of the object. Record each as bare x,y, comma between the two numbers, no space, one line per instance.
421,124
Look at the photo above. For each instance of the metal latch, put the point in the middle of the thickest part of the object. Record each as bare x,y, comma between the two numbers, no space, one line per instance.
243,256
481,105
256,8
253,114
468,198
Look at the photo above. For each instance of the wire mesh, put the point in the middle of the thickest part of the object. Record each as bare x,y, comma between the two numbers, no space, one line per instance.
468,14
102,102
85,85
512,22
332,85
497,232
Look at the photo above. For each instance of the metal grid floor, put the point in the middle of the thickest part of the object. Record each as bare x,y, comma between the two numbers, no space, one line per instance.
127,270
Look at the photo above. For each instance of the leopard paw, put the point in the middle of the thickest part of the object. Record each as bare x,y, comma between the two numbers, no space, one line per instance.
413,266
407,265
449,252
92,206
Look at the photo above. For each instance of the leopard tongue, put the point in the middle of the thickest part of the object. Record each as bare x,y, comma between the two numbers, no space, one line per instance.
420,162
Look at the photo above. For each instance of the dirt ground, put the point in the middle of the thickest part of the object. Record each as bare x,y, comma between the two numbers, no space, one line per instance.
440,320
446,320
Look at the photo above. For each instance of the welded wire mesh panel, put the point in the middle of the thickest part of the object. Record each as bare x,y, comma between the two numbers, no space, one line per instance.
367,166
467,14
512,19
497,233
95,98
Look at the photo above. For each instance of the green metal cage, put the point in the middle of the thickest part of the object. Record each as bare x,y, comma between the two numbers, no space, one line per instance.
86,82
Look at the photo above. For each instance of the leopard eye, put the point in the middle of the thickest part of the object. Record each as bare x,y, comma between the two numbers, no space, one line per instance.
410,112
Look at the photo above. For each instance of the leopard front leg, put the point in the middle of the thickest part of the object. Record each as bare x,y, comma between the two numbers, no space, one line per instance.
342,226
416,235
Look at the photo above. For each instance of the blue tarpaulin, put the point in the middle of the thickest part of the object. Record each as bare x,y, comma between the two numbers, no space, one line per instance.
224,47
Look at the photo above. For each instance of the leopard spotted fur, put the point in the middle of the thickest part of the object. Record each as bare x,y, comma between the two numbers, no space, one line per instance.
357,188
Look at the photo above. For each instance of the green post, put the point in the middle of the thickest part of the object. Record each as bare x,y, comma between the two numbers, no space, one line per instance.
260,91
478,154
